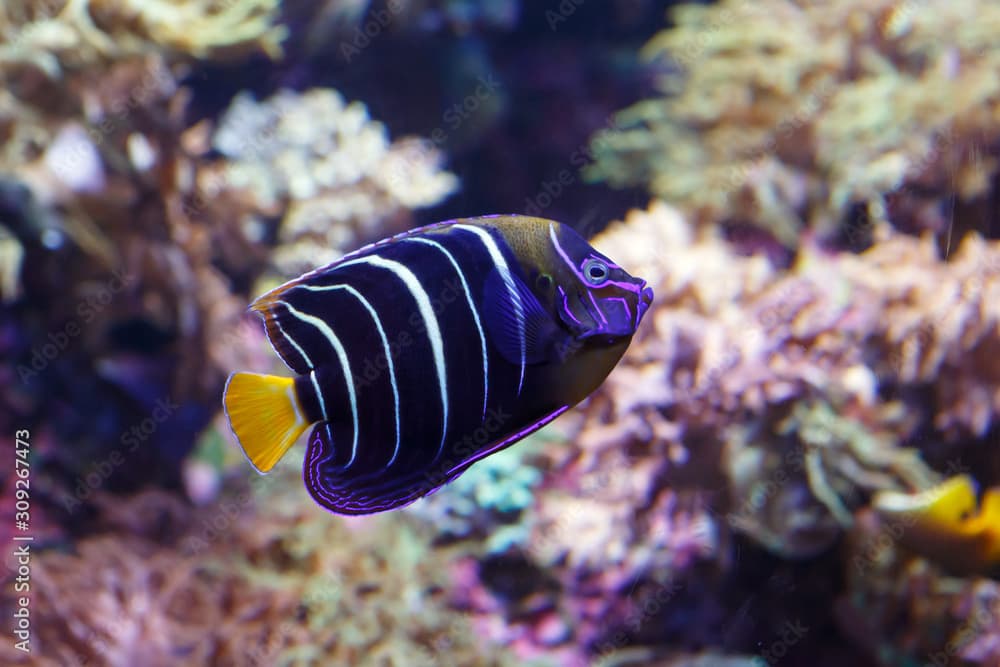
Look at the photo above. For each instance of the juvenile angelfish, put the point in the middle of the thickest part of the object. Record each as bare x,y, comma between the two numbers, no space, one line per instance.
420,354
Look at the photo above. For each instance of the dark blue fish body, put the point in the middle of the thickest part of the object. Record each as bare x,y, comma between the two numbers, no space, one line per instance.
423,353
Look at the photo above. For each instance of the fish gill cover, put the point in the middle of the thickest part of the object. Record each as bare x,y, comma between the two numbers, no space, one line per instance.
767,476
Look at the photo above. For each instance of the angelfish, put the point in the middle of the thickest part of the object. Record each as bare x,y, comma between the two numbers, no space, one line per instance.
421,354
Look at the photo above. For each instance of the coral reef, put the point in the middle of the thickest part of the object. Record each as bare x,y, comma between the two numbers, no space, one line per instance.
55,35
592,559
134,283
341,180
164,161
791,482
902,610
261,577
489,500
788,114
940,324
565,561
823,368
135,277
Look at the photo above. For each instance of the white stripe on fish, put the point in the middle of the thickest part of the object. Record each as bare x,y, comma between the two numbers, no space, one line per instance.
508,281
344,364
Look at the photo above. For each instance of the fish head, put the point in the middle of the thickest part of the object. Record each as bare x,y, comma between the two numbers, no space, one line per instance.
594,298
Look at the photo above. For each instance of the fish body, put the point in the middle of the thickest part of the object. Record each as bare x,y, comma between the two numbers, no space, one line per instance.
948,525
420,354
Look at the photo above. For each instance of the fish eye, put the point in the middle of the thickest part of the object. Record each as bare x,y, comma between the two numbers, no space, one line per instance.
595,271
544,281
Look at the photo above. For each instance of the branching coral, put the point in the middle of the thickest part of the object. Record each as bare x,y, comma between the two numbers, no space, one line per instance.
780,387
791,482
263,577
342,178
377,598
802,360
110,247
60,34
787,114
940,325
106,206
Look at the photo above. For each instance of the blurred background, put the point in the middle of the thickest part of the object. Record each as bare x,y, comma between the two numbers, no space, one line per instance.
811,189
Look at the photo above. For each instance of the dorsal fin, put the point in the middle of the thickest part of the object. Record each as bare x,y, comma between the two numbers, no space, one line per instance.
281,328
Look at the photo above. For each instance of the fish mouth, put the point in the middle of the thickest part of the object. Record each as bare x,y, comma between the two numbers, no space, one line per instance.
612,332
645,301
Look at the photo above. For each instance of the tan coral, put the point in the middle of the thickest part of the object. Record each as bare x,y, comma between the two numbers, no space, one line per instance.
786,113
95,222
343,180
102,166
11,256
60,34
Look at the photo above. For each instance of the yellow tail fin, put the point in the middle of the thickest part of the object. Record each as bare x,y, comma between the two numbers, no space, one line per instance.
265,415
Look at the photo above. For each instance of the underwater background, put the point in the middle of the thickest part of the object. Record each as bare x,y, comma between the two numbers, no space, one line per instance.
782,470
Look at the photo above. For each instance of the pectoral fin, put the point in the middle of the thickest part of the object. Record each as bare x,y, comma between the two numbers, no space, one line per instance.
512,311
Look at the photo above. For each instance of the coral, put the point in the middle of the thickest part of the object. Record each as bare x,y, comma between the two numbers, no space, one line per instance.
779,387
144,244
940,324
582,551
789,114
110,247
791,482
262,577
902,610
588,548
342,179
58,34
606,517
488,500
801,362
600,557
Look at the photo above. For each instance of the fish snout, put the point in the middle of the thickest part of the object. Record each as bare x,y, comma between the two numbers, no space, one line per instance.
645,300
